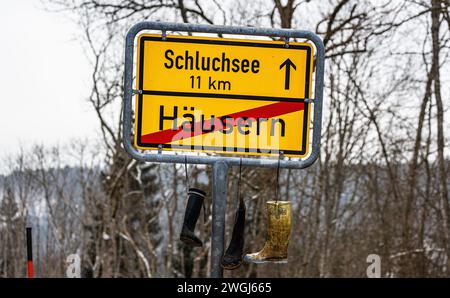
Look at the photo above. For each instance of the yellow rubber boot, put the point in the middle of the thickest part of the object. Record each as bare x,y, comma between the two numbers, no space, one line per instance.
278,234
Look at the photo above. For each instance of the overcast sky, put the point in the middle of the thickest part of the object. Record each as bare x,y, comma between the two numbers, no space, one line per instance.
44,79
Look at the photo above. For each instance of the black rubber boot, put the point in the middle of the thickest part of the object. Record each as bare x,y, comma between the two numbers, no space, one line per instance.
194,205
232,258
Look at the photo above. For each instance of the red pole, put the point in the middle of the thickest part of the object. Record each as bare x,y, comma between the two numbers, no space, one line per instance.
29,253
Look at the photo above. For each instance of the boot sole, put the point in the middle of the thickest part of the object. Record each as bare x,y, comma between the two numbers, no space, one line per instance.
269,260
190,242
231,267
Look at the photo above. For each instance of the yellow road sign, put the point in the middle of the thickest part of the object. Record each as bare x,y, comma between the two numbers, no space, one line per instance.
223,95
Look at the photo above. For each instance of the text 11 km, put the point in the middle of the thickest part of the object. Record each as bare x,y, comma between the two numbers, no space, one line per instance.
196,83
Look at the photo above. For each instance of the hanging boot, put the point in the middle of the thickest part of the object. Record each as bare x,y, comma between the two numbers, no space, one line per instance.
193,207
232,258
278,233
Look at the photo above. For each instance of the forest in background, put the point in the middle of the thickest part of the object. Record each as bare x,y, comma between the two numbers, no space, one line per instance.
380,185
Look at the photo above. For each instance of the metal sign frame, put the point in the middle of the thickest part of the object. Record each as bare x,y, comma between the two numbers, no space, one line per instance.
233,161
221,164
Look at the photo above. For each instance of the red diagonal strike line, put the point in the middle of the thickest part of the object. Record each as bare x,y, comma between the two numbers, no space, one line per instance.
268,111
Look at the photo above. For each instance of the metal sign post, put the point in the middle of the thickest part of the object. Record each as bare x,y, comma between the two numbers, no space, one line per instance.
220,182
295,91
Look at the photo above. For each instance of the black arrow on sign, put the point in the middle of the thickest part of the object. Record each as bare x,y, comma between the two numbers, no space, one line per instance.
288,63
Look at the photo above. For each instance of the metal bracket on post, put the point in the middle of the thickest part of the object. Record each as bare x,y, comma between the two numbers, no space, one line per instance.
219,200
286,42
